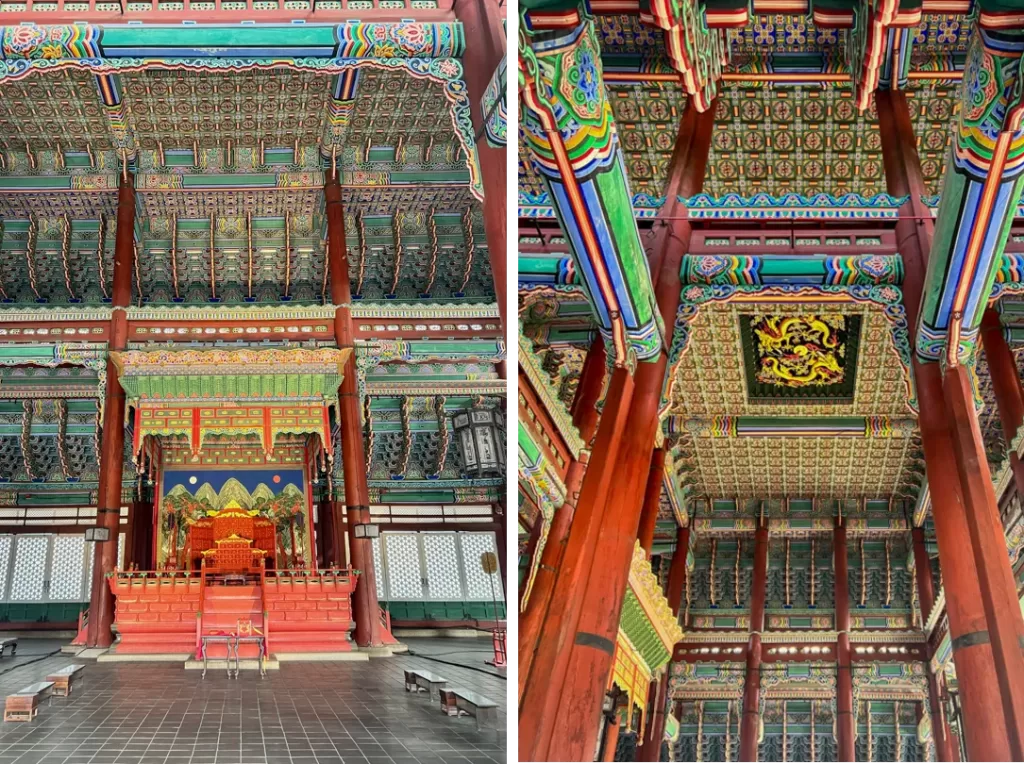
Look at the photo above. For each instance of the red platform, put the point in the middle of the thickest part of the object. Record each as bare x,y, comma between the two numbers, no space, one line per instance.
298,612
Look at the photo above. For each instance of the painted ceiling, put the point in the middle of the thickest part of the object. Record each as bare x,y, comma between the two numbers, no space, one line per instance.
803,139
797,136
246,148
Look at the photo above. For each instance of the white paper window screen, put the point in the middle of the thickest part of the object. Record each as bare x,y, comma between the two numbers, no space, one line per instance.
67,567
29,568
378,567
442,561
119,562
479,585
403,563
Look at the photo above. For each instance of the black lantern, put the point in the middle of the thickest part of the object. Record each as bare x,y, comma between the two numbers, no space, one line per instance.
480,435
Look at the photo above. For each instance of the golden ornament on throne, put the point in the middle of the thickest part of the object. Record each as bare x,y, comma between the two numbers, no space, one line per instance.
236,529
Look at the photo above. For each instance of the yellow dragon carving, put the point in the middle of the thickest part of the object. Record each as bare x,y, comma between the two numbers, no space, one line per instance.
800,351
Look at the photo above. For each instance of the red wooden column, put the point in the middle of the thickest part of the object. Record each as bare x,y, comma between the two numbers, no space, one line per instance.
585,417
481,20
988,540
101,600
588,392
650,749
678,572
1006,385
845,730
357,495
985,736
652,501
565,603
584,645
751,723
923,573
926,593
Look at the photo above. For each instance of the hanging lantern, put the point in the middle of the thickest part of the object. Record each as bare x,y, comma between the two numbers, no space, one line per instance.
479,432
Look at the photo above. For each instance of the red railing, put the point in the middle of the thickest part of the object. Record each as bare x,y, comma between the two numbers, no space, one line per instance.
385,619
308,575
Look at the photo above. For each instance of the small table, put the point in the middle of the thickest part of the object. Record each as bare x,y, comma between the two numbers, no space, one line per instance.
417,679
229,643
456,701
254,639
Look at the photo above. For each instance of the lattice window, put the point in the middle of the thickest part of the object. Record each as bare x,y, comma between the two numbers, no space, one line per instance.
378,566
29,568
479,585
5,562
403,566
443,582
67,567
119,562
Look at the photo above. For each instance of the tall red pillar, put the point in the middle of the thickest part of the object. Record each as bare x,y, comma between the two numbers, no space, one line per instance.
481,20
750,725
357,494
985,736
926,594
846,732
652,501
678,572
577,654
538,699
650,748
988,540
1006,386
101,600
585,418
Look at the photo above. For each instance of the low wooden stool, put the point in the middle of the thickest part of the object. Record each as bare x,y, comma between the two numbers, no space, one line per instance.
63,679
23,705
11,642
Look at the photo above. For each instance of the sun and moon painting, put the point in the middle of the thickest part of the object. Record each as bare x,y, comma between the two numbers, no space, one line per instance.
276,494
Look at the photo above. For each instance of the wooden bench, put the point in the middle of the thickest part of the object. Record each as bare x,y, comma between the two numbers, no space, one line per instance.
23,705
11,642
63,679
456,701
416,680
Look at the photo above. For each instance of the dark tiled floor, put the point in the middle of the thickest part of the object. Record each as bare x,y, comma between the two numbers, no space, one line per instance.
305,713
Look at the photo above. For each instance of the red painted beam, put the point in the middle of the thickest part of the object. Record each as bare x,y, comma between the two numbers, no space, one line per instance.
534,415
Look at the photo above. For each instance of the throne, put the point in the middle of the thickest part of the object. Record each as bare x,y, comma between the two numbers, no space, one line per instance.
232,540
